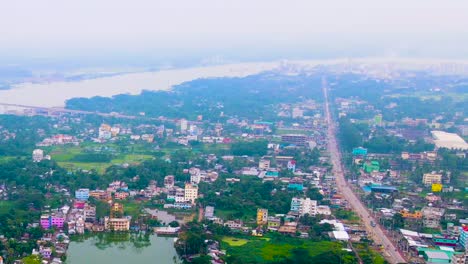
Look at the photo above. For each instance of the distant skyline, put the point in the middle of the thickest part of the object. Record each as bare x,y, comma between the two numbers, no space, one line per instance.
144,31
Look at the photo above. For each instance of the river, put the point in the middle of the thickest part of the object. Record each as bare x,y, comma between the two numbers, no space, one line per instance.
54,94
122,248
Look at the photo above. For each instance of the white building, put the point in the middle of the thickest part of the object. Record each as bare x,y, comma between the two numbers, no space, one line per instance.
297,112
264,164
323,210
38,155
448,140
195,178
183,125
304,206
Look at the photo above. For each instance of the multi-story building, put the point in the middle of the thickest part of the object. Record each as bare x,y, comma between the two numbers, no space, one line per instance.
169,181
264,164
190,192
297,112
183,125
121,195
463,238
295,139
432,216
38,155
304,206
179,195
234,224
430,178
82,194
209,212
117,224
295,204
262,216
459,258
195,178
274,223
89,212
105,131
116,210
52,220
323,210
100,194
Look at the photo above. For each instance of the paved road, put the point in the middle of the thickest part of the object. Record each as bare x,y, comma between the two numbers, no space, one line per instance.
390,252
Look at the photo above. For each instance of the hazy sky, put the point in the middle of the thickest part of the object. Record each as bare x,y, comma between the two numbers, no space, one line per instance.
239,29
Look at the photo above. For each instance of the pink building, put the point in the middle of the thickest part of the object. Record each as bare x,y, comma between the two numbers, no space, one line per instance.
48,221
79,204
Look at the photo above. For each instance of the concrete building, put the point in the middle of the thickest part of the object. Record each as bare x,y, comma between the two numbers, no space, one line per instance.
191,192
432,216
274,223
297,112
323,210
264,164
117,224
463,238
436,256
82,194
262,216
183,125
169,181
294,139
52,220
105,132
209,212
448,140
459,258
303,206
89,213
38,155
431,178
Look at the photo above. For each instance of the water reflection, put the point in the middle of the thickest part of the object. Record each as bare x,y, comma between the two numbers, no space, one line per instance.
118,248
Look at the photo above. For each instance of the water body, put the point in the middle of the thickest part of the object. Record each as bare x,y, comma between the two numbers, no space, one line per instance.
122,248
54,94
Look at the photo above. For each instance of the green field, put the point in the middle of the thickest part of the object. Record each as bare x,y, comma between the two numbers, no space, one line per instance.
5,206
64,156
279,248
235,242
6,158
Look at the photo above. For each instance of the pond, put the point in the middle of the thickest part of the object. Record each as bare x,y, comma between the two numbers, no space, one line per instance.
122,248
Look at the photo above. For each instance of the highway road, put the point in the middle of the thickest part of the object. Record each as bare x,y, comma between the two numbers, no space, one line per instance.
379,237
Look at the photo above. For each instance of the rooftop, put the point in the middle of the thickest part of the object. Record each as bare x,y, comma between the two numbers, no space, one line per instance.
448,140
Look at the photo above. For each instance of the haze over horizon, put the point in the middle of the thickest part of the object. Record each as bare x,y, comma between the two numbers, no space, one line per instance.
143,31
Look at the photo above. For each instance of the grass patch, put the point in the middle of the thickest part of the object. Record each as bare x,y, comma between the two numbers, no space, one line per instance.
5,206
235,242
277,248
65,157
99,167
367,254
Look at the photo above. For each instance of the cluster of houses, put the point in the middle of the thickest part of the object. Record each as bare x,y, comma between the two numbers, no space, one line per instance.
59,139
448,247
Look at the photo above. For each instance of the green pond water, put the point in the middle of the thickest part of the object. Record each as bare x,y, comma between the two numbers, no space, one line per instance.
122,248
